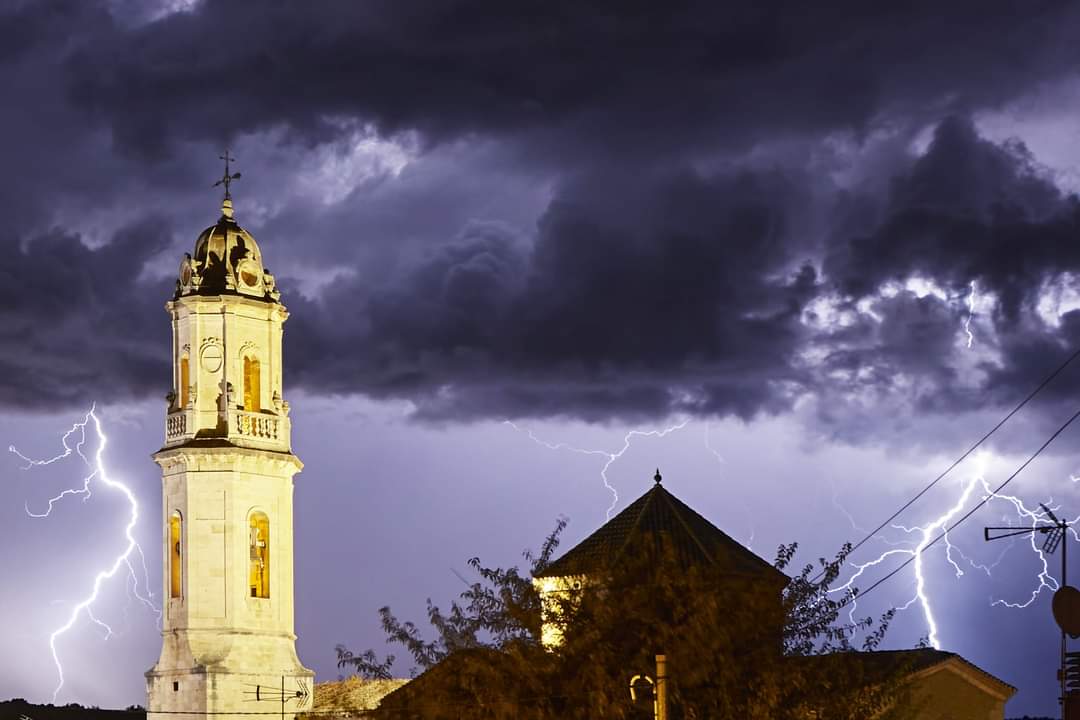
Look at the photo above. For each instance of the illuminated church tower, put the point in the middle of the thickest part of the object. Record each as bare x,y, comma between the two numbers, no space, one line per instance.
227,491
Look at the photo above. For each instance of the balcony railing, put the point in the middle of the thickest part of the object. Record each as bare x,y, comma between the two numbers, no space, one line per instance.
256,425
176,425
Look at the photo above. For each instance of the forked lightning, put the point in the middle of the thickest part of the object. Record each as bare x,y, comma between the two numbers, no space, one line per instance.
97,472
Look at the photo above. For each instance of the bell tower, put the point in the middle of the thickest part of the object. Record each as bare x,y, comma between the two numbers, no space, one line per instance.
227,465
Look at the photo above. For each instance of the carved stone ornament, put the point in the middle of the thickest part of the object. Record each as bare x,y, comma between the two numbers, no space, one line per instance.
247,272
186,271
211,355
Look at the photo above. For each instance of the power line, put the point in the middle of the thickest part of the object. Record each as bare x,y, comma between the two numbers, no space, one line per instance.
972,511
963,457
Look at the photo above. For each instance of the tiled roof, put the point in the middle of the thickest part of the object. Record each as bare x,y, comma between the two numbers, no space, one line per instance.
913,661
352,696
655,516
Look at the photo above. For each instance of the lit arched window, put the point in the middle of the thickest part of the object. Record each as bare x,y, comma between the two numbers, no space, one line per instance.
185,380
175,548
251,384
259,574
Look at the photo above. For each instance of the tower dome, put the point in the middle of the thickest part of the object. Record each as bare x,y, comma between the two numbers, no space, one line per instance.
227,261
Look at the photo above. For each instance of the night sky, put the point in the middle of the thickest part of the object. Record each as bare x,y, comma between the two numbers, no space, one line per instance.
833,243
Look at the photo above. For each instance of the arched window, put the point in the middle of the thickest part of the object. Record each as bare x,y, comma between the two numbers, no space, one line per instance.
259,574
175,548
251,384
185,380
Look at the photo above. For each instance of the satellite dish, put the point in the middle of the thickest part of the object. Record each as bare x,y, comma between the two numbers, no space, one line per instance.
1066,608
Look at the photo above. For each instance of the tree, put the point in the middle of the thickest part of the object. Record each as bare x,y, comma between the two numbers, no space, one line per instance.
737,647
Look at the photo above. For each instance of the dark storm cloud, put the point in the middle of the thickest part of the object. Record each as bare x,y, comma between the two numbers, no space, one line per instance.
579,75
671,268
640,296
75,325
968,210
676,291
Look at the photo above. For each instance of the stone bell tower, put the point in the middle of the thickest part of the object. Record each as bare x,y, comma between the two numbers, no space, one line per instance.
227,491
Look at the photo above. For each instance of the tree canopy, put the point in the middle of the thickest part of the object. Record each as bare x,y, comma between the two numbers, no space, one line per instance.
737,646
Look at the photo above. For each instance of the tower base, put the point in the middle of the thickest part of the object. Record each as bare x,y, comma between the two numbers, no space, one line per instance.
254,675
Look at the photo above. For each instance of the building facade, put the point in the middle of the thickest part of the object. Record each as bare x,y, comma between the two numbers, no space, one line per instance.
229,644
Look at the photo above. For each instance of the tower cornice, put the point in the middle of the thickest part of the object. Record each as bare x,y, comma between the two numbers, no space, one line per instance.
217,455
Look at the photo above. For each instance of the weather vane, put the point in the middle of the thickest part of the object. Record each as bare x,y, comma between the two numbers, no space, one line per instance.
228,177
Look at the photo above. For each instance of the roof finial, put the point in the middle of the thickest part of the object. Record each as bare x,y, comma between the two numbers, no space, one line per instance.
226,180
657,477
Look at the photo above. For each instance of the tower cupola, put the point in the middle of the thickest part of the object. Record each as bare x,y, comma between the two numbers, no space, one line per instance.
226,261
227,328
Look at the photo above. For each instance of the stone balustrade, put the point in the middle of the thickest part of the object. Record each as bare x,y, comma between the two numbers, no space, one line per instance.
176,425
255,425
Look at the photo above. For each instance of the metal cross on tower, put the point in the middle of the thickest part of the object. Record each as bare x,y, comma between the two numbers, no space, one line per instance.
228,177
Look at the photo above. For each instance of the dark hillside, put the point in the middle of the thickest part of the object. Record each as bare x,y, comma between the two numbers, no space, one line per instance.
19,709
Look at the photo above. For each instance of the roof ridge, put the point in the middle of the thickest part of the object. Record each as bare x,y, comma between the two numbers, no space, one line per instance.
736,546
637,522
693,535
686,526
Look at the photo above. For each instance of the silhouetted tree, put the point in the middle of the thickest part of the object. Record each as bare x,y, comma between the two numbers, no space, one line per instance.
736,646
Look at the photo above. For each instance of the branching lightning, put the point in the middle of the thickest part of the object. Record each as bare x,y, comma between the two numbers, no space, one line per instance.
924,534
1046,581
79,428
96,472
611,456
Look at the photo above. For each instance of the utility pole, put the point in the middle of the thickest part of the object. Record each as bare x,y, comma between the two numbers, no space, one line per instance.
1055,533
661,687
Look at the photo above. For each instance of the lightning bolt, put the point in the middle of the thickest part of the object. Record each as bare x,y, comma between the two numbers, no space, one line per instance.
748,514
97,472
971,299
1046,581
924,534
709,447
611,456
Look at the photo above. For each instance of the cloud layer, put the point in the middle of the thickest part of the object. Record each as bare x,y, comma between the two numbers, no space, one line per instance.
559,212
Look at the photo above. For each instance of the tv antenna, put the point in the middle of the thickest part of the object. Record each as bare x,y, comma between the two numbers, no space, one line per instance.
1066,602
269,693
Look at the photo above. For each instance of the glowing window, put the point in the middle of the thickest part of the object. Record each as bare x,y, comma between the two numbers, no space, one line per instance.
175,549
259,574
251,384
185,380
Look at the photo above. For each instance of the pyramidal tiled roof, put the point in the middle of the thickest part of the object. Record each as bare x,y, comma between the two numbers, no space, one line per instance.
659,514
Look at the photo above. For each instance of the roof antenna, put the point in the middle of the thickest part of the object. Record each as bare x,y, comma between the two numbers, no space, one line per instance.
657,477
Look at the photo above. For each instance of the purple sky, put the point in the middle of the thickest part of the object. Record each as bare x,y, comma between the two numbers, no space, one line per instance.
763,222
